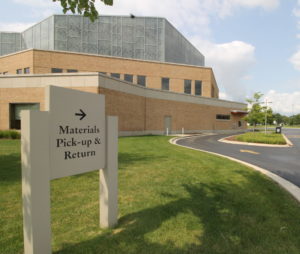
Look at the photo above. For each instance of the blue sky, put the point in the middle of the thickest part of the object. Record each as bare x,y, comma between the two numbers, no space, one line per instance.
252,45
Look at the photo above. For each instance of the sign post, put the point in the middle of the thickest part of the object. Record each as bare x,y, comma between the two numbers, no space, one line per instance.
72,137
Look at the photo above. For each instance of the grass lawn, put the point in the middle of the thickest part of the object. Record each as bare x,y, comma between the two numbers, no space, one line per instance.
171,200
261,137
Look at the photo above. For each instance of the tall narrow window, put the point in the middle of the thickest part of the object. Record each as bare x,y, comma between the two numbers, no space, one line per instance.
128,78
165,84
115,75
141,80
198,87
56,70
26,70
187,86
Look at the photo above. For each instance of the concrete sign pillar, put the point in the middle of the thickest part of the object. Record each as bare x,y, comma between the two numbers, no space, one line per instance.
36,182
73,137
109,177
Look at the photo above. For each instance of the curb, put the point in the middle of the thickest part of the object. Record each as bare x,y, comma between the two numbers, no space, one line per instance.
288,142
285,184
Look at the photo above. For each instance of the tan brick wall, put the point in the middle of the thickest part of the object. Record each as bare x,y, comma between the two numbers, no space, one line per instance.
25,95
13,62
18,95
136,113
41,62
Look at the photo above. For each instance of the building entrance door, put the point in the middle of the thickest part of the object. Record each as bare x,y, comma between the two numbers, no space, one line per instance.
168,124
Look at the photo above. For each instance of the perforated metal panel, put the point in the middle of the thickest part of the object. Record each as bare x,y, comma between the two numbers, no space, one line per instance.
147,38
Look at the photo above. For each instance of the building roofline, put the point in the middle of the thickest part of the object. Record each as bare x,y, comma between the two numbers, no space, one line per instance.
105,56
78,15
208,100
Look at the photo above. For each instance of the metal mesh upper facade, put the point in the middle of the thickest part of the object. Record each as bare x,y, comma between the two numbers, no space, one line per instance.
146,38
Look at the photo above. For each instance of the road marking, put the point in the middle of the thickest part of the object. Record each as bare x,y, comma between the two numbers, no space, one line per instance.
248,151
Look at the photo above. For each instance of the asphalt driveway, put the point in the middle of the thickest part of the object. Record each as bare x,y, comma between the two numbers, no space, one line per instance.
284,162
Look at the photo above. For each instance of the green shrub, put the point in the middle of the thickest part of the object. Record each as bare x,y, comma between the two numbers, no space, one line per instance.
261,137
10,134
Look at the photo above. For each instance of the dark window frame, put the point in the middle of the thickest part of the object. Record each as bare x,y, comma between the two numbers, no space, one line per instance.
165,84
16,123
128,78
26,70
141,80
56,70
72,70
187,86
198,83
222,117
115,75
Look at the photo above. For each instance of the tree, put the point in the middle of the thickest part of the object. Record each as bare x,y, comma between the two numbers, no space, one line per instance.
85,7
256,112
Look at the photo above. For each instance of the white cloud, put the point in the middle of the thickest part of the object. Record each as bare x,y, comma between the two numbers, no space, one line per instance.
40,9
35,3
192,15
284,103
231,63
295,60
266,4
14,27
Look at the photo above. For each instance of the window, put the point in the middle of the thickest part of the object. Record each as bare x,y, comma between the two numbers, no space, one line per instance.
15,112
187,86
198,87
104,73
72,70
165,84
56,70
141,80
115,75
128,78
223,117
19,71
26,70
5,72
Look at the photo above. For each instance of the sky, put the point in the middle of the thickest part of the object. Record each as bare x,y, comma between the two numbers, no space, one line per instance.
252,45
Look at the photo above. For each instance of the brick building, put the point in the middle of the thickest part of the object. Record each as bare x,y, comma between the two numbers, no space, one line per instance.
153,78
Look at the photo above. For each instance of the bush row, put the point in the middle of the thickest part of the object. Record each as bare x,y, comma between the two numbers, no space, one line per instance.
10,134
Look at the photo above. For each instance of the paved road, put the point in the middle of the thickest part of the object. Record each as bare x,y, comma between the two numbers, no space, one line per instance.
284,162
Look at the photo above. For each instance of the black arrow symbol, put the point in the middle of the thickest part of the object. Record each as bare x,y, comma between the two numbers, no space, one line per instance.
82,114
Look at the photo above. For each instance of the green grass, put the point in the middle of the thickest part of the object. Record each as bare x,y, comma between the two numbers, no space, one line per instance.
261,137
171,200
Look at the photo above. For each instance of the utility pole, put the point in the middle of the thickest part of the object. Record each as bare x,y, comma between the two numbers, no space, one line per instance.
266,110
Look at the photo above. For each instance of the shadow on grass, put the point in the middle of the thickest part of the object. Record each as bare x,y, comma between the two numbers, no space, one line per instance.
10,168
230,218
130,158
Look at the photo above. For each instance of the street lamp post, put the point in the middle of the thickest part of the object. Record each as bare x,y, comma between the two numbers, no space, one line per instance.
266,112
